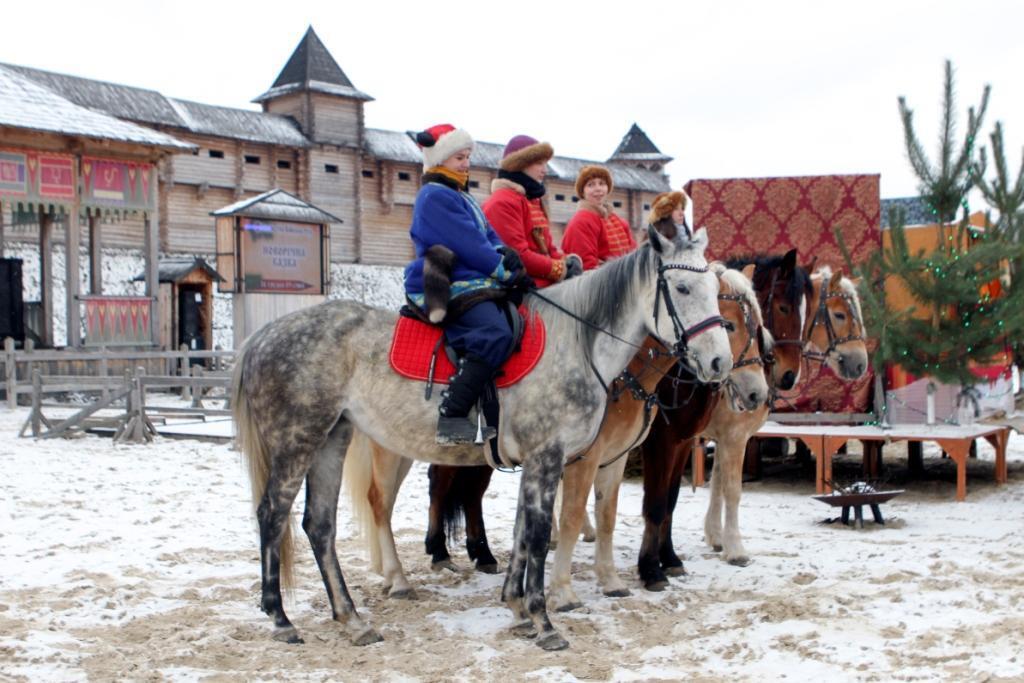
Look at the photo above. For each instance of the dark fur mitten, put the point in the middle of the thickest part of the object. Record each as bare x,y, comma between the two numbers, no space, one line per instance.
437,280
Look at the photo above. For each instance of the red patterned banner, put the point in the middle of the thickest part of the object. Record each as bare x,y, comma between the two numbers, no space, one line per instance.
117,184
772,215
37,178
114,320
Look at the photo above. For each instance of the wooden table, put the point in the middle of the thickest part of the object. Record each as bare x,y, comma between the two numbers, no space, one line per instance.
825,441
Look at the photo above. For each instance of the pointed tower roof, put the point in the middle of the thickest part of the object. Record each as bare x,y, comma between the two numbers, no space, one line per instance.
311,67
637,147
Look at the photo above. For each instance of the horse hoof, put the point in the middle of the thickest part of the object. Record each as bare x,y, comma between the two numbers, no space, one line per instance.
552,640
675,571
445,564
525,629
740,561
552,544
403,594
367,637
569,606
717,548
656,585
488,568
589,538
288,635
618,593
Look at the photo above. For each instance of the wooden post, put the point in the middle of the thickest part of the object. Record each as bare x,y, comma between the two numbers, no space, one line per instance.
46,275
152,247
104,369
95,255
30,346
183,371
72,243
37,400
2,229
915,457
197,391
11,370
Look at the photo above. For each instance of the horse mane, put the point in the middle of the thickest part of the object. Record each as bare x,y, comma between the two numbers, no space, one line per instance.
740,285
799,284
596,296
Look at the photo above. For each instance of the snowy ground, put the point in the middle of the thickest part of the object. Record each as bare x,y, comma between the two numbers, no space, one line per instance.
140,562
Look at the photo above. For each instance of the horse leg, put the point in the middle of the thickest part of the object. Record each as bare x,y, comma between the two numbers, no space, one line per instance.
441,479
713,517
474,482
606,493
658,458
670,562
323,482
588,532
577,480
523,590
389,471
733,449
559,504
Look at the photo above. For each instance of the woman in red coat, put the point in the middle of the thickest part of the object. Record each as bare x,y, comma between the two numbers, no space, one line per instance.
516,213
595,232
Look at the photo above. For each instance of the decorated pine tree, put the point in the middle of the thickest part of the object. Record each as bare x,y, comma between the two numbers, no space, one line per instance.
966,310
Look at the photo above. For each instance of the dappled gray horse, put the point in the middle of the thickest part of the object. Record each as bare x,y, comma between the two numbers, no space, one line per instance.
303,381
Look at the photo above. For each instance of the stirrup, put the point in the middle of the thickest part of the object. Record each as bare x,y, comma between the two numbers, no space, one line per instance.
457,431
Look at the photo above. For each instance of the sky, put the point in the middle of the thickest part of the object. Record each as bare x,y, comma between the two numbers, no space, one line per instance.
729,89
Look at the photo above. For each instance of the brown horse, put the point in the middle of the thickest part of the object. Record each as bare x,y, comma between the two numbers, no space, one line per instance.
783,289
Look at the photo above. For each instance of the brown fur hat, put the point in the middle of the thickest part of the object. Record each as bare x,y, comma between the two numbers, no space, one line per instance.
665,203
588,173
522,150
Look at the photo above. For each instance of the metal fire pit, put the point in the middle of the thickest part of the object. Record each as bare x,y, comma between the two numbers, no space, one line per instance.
856,496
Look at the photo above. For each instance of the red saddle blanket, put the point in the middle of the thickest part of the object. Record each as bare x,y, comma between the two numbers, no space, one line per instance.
414,342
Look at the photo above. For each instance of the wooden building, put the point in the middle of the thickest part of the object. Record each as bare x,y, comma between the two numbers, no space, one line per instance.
310,139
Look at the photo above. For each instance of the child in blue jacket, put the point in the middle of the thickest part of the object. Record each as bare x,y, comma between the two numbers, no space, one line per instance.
481,266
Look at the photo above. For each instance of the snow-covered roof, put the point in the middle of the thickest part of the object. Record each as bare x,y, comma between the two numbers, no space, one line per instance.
26,104
150,107
277,205
395,146
171,269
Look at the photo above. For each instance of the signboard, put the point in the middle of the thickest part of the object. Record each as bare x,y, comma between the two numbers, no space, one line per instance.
117,184
280,257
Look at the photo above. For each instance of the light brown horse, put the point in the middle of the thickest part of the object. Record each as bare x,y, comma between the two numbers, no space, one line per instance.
834,335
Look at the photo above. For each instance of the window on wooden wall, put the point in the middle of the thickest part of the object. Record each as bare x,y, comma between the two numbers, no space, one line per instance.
559,197
367,173
216,154
330,168
284,163
474,183
617,205
402,175
575,199
647,207
252,159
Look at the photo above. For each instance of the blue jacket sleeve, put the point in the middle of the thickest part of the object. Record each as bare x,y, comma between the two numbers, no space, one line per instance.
444,218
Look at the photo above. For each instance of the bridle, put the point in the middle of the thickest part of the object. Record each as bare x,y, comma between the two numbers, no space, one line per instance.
683,334
822,317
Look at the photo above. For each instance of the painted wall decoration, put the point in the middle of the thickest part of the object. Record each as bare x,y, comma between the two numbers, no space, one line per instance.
281,257
107,183
772,215
114,320
28,179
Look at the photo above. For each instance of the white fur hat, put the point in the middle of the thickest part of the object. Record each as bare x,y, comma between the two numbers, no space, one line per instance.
440,142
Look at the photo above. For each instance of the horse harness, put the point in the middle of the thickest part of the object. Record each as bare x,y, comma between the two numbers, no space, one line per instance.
822,317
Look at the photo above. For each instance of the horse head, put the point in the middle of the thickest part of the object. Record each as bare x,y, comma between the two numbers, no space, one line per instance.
835,327
782,289
750,342
685,312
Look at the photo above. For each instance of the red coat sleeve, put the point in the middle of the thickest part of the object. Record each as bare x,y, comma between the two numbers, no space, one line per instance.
511,220
581,238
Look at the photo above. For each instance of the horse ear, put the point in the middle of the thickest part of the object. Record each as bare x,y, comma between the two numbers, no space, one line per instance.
655,239
788,263
837,278
700,239
748,271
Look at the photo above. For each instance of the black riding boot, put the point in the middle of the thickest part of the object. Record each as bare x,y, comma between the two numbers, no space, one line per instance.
452,426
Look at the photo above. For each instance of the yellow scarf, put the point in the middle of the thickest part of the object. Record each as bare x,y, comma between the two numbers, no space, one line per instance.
461,178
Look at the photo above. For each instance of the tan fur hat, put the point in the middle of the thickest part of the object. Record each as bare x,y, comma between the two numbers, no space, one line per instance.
665,203
588,173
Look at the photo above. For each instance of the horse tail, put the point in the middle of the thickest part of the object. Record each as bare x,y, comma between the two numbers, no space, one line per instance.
257,457
358,480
